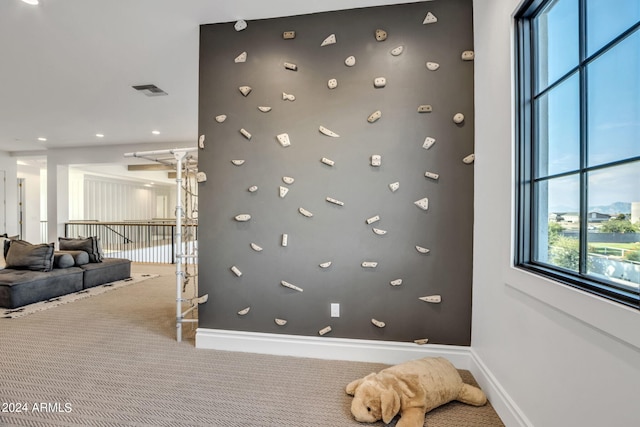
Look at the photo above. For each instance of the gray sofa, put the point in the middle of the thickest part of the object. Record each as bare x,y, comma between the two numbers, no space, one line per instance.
23,281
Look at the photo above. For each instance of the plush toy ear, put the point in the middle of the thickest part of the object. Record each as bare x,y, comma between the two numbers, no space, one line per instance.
389,404
353,385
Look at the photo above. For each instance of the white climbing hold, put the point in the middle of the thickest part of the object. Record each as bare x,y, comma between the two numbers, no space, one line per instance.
253,189
264,109
332,83
432,66
327,162
468,55
378,323
458,118
428,142
236,271
241,58
238,162
379,82
335,201
422,203
244,311
290,66
396,282
221,118
431,175
425,108
305,212
325,264
350,61
394,186
240,25
422,250
430,18
324,331
330,39
288,180
421,341
245,133
376,160
280,322
373,219
284,140
469,159
328,132
289,35
374,116
397,50
290,286
288,97
369,264
201,176
283,191
285,240
435,299
381,35
245,90
379,231
256,247
243,217
201,141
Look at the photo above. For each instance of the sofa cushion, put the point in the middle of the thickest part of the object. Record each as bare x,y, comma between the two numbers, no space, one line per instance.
21,287
90,245
79,257
62,260
109,270
24,255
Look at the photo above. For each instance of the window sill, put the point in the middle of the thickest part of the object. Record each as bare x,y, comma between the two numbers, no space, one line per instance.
617,320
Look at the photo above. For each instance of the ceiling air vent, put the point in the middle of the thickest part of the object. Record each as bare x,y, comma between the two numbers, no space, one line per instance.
150,90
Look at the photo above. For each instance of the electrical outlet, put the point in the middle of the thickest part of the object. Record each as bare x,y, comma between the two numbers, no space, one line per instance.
335,310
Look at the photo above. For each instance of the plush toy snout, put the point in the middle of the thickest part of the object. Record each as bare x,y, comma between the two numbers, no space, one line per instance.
373,402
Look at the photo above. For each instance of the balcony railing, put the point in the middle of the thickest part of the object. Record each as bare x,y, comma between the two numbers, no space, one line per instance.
139,241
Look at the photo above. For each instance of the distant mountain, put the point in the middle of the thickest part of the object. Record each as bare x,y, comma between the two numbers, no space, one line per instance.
612,209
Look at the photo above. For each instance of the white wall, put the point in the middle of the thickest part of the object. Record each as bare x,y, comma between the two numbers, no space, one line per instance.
31,207
564,357
10,211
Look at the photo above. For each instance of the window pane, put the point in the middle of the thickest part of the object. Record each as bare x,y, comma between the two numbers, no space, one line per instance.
606,20
614,103
557,240
557,41
559,129
614,224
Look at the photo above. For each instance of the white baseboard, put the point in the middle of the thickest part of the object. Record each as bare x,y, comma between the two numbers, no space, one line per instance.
504,405
388,352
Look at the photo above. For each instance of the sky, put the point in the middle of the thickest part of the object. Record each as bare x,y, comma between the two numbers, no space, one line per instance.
613,99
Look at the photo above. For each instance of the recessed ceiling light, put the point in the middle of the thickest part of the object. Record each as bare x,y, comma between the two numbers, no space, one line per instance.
155,132
42,139
31,2
99,135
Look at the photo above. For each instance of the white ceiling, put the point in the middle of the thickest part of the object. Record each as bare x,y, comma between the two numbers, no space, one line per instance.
67,66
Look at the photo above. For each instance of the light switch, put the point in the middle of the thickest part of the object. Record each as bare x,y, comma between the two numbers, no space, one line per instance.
335,310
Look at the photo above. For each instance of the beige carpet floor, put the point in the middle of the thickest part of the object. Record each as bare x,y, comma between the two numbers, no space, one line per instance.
112,360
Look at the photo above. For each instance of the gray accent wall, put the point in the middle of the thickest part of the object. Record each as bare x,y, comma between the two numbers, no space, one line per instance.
335,233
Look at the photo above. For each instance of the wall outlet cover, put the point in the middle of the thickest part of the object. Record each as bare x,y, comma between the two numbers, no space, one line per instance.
335,310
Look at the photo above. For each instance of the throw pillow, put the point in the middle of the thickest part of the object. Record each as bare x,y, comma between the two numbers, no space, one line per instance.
91,245
62,260
24,255
3,261
79,257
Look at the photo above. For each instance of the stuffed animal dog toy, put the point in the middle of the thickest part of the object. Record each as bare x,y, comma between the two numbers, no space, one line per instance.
411,389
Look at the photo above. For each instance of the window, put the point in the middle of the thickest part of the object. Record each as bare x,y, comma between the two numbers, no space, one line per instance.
578,144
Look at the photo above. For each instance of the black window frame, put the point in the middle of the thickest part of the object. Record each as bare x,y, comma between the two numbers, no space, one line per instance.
525,158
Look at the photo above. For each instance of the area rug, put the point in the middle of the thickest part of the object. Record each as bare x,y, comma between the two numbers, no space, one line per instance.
64,299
